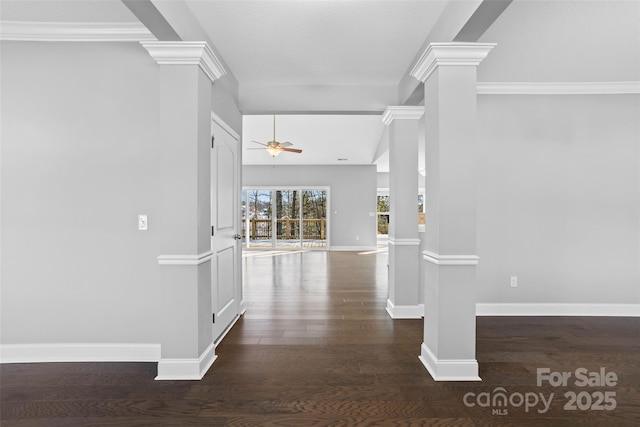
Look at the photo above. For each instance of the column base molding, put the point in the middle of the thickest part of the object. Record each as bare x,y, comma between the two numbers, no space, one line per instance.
187,369
405,311
449,369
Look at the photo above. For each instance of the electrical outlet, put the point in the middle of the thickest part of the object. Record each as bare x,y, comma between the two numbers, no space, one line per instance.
514,281
143,224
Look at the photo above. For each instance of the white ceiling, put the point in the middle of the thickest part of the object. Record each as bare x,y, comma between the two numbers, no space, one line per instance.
317,42
327,46
564,41
65,11
332,56
323,139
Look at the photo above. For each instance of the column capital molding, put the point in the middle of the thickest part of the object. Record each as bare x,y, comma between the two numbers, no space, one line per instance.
186,53
402,113
456,54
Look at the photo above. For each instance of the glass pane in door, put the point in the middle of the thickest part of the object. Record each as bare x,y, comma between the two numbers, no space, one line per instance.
287,206
314,218
259,228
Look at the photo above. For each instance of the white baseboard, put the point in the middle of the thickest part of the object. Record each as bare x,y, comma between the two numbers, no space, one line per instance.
353,248
405,311
67,352
187,369
557,309
449,369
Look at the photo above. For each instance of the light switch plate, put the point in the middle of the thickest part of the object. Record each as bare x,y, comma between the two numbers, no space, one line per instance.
143,224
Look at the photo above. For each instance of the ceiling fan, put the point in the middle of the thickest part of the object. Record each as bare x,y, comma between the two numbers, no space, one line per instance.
274,147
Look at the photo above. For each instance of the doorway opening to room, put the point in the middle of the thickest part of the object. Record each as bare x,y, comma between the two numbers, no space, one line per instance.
383,203
285,218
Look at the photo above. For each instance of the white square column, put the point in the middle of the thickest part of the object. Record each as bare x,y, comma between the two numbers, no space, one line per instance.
187,70
404,285
448,71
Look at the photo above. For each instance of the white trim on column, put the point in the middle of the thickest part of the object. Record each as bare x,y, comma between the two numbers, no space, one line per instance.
186,53
557,309
450,259
352,248
405,311
74,31
79,352
449,369
187,369
558,88
185,259
404,242
403,112
438,54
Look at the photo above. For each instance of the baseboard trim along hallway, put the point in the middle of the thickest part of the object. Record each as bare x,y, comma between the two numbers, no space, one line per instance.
557,309
74,352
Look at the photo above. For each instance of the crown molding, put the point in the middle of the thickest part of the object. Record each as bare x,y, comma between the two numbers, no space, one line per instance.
437,54
402,113
74,31
186,53
558,88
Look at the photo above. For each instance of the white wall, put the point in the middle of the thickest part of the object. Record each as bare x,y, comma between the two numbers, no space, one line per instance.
383,179
559,199
80,159
79,163
224,102
352,195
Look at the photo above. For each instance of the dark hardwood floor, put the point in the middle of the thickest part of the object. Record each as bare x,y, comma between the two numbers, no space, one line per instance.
316,348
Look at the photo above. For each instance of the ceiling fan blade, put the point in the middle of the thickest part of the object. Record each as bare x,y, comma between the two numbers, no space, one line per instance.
259,143
292,150
286,144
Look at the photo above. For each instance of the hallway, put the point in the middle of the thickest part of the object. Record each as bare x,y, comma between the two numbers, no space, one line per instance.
316,348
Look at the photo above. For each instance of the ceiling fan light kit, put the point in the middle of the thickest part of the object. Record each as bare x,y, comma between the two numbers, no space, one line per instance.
273,148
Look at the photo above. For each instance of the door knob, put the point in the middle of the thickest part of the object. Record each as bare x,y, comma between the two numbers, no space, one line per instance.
237,236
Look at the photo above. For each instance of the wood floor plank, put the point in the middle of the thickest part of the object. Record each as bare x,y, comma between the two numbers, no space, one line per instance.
317,348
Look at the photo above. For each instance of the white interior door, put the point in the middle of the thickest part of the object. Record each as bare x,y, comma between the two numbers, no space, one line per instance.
226,280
